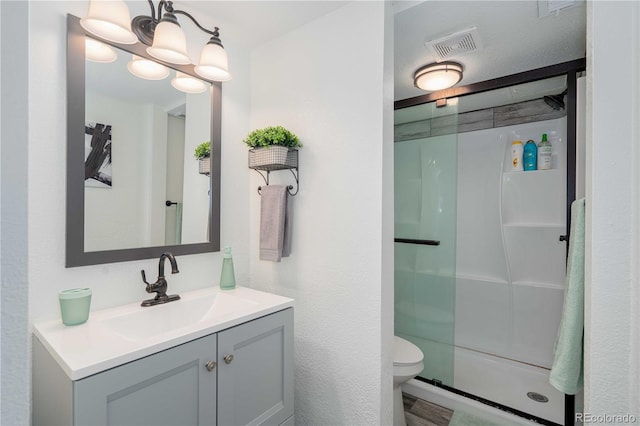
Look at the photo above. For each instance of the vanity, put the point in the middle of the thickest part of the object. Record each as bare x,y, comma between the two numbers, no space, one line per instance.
212,358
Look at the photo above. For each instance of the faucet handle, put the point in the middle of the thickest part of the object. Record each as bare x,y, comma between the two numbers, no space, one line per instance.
144,277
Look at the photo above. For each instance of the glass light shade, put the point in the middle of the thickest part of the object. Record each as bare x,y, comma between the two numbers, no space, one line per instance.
214,64
186,83
96,51
149,70
440,76
110,20
169,44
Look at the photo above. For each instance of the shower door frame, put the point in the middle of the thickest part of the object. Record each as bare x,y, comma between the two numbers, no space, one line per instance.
571,70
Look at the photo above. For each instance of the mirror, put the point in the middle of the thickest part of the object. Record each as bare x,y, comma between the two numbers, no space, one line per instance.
134,188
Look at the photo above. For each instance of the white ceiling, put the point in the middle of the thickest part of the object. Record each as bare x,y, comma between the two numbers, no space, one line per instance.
513,38
253,22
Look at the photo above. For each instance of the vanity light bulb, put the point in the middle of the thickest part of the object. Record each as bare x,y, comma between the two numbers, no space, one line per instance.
214,64
109,20
186,83
96,51
169,44
149,70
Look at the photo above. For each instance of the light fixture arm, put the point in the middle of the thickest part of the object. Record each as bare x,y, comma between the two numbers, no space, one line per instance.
144,26
214,33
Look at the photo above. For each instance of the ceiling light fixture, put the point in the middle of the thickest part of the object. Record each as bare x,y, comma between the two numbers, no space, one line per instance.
438,76
163,34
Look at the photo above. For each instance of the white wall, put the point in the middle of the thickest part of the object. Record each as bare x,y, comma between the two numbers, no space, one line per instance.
175,176
324,81
195,190
612,311
118,217
13,306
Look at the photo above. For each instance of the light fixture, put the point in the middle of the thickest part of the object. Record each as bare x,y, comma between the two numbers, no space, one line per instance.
169,41
438,76
109,20
96,51
214,63
161,32
188,84
149,70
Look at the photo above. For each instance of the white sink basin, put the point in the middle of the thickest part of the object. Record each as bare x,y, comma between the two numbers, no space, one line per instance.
114,336
152,321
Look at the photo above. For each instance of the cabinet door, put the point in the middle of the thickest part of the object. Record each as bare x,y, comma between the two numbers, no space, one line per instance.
173,387
255,375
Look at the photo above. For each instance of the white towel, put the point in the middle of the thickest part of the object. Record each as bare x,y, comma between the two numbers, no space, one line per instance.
273,223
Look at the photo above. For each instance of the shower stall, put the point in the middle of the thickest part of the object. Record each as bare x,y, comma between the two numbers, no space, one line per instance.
480,249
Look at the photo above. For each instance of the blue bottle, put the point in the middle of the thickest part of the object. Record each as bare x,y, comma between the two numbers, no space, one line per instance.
530,156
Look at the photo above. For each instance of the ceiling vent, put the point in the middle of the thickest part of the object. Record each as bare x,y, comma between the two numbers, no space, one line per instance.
455,44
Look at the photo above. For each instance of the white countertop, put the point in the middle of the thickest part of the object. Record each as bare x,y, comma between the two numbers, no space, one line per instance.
115,336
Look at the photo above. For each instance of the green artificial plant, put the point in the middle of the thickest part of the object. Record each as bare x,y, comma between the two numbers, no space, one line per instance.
203,150
272,135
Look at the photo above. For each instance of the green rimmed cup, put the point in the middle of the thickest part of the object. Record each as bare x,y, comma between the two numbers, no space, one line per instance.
74,305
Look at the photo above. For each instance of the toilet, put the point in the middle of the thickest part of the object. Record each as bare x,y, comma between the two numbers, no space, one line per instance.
407,364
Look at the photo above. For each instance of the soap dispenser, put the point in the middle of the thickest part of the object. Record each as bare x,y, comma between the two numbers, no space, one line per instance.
227,277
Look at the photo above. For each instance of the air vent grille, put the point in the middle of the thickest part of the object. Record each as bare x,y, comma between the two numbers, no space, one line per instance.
455,44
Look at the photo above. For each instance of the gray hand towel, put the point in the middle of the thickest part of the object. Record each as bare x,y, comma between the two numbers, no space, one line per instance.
273,222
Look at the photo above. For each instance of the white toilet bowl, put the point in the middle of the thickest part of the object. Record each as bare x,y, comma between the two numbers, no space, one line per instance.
407,364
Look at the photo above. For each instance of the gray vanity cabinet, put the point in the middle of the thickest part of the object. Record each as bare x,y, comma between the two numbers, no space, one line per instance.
255,373
251,382
172,387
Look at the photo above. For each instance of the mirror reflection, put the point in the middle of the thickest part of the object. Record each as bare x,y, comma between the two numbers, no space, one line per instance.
143,186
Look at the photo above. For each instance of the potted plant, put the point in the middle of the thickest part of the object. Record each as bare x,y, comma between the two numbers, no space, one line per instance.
202,154
270,145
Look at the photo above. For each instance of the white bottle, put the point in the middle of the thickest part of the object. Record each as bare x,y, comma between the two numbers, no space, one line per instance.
516,156
544,153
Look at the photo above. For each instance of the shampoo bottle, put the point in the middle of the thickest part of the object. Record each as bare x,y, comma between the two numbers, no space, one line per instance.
544,153
516,156
530,156
227,277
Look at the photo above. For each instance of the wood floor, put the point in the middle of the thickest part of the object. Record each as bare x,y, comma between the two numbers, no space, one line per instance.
419,412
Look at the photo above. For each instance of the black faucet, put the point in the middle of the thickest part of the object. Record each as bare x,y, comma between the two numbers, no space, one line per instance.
160,286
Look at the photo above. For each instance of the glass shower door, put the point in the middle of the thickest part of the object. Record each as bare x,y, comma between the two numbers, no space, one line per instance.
425,233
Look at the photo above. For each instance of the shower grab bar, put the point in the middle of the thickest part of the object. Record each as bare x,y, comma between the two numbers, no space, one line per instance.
421,242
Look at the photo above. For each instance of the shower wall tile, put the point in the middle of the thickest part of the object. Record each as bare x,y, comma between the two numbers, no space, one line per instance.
434,304
536,255
534,197
536,316
525,112
413,130
483,315
404,308
507,115
476,125
408,189
479,246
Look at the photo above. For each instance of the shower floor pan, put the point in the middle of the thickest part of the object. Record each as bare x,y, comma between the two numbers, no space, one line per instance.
499,380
